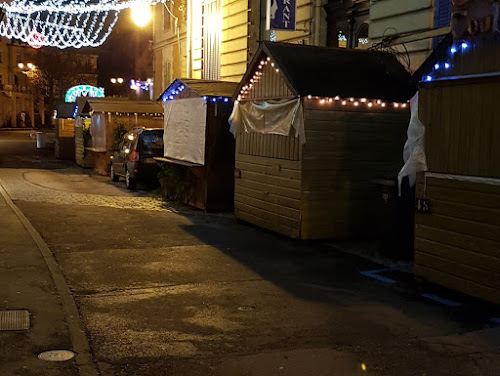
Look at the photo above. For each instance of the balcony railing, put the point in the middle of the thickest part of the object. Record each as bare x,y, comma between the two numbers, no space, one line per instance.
15,89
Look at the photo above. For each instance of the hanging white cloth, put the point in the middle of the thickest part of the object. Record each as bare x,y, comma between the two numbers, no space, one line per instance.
414,149
276,117
98,132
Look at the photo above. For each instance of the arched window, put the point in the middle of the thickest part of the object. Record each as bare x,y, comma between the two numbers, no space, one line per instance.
361,35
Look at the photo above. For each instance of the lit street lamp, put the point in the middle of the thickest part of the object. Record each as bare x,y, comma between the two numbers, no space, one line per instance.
141,13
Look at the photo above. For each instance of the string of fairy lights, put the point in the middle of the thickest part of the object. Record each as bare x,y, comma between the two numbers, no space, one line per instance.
63,23
440,68
336,100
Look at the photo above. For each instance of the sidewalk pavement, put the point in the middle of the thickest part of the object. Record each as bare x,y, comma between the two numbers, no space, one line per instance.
28,284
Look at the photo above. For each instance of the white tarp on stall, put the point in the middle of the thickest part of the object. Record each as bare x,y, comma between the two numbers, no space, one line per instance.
276,117
98,132
185,123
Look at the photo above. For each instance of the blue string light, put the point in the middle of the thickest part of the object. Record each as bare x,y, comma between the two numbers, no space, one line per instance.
177,88
463,46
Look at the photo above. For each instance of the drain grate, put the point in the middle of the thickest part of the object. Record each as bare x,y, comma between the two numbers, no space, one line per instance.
14,320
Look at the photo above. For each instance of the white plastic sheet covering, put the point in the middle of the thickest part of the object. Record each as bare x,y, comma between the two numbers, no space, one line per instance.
185,123
414,150
98,132
276,117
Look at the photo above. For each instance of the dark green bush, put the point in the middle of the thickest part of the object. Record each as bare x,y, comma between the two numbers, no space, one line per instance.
172,179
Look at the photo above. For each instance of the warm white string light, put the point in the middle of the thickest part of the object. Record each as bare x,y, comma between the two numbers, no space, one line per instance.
63,23
371,104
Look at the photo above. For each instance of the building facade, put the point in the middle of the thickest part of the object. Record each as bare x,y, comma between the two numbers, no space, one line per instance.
32,81
403,19
17,107
216,39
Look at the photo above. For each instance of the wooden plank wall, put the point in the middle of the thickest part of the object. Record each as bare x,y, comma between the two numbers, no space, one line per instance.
461,120
268,182
271,86
345,151
457,243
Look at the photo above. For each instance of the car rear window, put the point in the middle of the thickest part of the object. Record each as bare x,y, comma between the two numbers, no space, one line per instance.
152,143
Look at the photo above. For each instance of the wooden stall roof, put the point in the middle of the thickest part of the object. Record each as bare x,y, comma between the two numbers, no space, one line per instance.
200,88
87,106
472,58
328,72
65,110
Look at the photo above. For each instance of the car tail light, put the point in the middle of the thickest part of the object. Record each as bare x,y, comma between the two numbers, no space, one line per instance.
135,155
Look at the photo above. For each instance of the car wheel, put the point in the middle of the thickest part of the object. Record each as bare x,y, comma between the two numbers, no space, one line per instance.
114,177
129,181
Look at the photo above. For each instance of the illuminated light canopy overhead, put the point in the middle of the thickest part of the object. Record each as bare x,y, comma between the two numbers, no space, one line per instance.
83,91
63,23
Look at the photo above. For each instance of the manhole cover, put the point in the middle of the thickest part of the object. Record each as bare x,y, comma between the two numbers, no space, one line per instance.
15,320
56,355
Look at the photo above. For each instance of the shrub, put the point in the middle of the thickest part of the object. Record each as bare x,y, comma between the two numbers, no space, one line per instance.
172,179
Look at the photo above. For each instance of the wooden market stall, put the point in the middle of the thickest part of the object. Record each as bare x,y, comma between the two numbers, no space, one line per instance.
315,127
198,142
457,242
102,116
64,143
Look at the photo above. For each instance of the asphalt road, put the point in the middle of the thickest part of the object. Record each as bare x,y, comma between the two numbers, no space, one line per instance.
163,291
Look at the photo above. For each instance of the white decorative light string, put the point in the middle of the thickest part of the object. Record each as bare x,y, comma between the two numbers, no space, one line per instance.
354,102
63,23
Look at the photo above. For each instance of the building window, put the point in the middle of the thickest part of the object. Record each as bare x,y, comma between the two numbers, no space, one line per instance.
0,58
212,37
362,35
16,80
342,39
442,17
442,13
19,58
